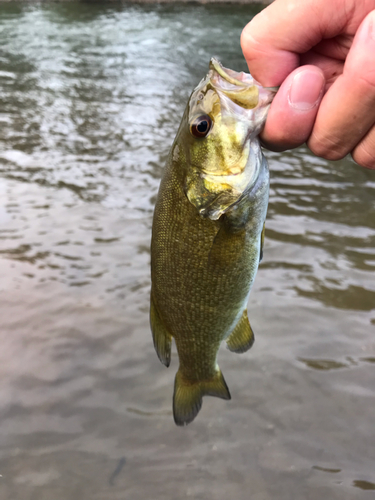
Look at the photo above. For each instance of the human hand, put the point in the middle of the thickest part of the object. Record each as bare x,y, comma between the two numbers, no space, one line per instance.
322,53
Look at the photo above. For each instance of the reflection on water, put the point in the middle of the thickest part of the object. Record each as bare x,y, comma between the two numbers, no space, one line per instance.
90,99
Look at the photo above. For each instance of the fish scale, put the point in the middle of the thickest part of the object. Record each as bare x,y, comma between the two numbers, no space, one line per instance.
207,235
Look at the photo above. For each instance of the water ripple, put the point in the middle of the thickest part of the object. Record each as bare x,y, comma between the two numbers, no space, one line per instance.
91,95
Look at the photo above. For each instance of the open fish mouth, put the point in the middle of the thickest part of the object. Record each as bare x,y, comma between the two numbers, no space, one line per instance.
238,79
238,87
241,88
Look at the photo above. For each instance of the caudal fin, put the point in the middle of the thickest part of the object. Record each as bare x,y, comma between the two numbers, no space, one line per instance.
187,397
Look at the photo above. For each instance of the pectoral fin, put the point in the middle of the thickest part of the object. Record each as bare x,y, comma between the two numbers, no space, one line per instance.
262,242
187,397
226,246
161,336
242,337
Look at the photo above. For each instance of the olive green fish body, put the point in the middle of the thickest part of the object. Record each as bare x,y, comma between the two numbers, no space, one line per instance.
205,251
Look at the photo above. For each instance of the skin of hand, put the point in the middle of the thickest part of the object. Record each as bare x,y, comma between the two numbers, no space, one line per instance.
322,54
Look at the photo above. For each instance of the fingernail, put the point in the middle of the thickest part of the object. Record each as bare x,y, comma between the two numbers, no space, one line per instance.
306,90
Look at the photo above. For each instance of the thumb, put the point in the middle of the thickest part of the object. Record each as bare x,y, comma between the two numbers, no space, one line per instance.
292,114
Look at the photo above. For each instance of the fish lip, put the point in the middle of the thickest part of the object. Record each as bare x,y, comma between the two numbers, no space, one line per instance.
219,76
215,65
227,74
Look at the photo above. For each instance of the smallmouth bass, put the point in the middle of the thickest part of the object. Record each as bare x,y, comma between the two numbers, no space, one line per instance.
208,232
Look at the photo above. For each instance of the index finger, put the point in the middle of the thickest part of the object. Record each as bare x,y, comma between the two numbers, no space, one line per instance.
273,40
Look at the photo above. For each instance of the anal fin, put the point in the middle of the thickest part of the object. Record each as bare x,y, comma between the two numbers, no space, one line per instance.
187,397
242,337
161,336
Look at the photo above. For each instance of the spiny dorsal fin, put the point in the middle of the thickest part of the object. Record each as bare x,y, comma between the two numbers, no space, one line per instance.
242,337
161,336
187,397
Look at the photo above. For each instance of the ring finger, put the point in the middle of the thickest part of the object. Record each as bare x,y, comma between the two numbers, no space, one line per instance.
364,152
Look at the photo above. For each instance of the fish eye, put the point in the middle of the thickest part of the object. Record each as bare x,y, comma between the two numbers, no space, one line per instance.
201,126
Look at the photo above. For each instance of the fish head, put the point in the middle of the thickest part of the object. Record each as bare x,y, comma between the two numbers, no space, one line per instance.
224,116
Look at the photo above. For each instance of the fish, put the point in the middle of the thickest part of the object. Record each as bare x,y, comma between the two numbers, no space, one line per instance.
208,233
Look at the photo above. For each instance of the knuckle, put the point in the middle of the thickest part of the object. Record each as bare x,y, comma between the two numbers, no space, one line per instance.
364,152
327,147
251,48
253,38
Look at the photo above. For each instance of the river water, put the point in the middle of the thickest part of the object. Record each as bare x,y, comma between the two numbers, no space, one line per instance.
91,97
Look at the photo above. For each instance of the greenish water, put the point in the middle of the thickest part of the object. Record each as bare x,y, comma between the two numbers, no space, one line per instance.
90,99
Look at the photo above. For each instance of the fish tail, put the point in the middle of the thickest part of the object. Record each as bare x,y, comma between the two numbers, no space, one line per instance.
187,397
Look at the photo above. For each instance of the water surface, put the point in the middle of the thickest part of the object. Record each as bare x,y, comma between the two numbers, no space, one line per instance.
90,99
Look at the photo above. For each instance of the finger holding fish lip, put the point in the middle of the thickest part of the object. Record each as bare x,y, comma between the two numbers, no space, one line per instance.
339,38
